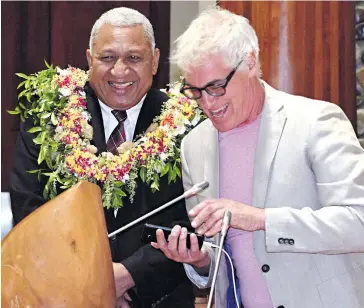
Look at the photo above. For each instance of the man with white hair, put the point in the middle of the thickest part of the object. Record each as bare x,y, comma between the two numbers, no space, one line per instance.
123,59
290,169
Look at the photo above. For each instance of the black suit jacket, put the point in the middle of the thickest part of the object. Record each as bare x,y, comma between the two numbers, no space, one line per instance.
159,281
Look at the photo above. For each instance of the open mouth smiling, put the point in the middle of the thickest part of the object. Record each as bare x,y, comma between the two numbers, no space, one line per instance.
120,85
218,113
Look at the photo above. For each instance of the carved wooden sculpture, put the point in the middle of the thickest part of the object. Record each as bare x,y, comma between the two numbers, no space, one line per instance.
59,256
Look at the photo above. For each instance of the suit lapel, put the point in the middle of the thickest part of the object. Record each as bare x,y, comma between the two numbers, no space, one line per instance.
97,123
150,109
211,162
270,132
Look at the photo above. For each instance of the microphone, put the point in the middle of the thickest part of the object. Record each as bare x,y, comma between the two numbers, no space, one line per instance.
226,222
225,226
194,190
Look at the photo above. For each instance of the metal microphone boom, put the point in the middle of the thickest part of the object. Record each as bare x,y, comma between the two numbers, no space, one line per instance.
194,190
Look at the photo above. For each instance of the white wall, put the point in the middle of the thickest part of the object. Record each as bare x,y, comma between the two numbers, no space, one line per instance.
182,13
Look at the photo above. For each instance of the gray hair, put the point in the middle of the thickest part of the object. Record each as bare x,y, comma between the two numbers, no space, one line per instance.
216,31
123,17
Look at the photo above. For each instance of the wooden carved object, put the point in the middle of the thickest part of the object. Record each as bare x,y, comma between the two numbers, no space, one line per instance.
59,255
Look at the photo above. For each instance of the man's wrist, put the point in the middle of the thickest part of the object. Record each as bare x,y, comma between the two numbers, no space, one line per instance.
261,219
123,280
205,262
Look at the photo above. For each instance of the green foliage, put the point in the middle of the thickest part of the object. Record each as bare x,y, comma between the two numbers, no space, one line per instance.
39,100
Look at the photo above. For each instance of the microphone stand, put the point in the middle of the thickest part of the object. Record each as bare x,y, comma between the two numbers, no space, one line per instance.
225,226
189,193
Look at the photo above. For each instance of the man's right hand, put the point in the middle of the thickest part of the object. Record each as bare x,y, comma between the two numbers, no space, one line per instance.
176,248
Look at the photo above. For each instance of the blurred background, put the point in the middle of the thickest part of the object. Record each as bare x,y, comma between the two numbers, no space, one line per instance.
309,48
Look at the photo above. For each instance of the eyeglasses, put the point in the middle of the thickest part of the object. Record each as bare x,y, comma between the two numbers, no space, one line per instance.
213,88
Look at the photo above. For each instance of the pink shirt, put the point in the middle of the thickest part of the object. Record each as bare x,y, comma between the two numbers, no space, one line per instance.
237,151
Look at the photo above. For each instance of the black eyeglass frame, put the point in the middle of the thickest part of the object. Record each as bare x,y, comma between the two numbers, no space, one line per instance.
212,83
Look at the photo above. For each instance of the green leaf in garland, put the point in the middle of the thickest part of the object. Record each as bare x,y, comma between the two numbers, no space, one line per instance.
22,106
177,171
28,96
21,84
42,154
46,115
118,184
171,175
35,129
47,65
143,173
38,139
54,119
22,75
46,192
39,176
22,93
154,186
13,111
116,201
165,169
43,136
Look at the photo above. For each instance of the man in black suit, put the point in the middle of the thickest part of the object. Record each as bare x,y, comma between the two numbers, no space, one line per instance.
122,60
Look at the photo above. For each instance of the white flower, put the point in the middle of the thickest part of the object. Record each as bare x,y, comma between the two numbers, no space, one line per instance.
107,155
62,72
163,156
65,91
152,127
125,178
86,115
186,122
57,137
59,129
125,146
91,148
174,91
195,120
88,131
180,130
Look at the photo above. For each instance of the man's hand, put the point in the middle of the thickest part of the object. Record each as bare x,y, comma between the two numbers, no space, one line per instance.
176,249
122,301
123,280
208,216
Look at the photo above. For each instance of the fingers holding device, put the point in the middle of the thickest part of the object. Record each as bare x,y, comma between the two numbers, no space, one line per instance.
149,235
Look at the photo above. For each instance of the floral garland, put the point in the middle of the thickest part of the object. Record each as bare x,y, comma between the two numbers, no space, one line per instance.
56,101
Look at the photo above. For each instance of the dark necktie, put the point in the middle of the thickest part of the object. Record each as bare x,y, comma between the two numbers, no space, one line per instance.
117,137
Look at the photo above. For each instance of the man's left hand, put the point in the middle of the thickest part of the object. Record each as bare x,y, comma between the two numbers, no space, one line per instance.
207,216
122,302
123,279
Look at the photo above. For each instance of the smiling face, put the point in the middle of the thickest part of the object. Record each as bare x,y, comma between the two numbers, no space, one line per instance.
122,65
244,95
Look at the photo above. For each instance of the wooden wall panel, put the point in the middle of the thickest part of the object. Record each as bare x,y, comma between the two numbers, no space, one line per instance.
24,45
306,47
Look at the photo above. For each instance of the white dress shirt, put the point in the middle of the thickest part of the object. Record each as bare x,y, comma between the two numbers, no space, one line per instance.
110,122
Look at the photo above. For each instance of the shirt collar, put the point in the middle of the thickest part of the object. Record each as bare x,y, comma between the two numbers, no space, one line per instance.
132,113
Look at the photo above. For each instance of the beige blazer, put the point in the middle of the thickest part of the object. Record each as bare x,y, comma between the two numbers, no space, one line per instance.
309,176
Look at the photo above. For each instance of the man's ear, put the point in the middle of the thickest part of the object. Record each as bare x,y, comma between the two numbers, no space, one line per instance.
251,61
155,61
89,58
